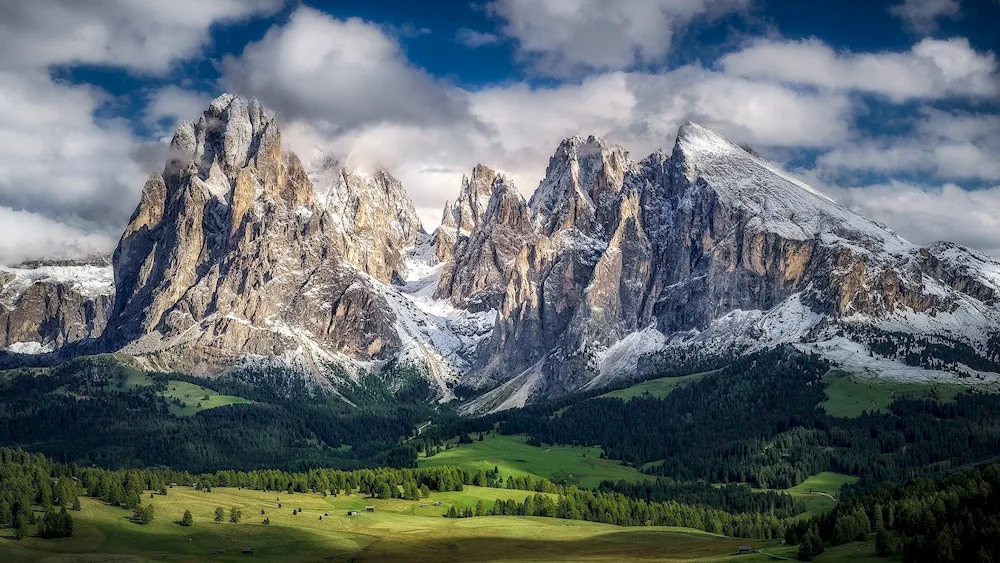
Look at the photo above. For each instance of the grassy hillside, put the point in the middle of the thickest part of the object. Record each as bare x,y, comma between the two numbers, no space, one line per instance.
196,398
657,388
193,398
398,530
820,491
513,456
849,395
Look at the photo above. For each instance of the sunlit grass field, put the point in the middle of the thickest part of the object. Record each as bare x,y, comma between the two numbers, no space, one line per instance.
512,456
398,530
656,388
850,395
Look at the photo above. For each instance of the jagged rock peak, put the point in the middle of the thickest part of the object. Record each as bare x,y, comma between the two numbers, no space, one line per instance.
466,211
779,203
227,188
227,136
482,262
461,216
700,146
580,187
373,216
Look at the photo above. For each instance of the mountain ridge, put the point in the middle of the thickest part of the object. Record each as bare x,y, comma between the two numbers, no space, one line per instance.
238,252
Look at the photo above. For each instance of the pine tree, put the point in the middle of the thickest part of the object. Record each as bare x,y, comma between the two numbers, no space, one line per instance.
220,515
883,543
187,520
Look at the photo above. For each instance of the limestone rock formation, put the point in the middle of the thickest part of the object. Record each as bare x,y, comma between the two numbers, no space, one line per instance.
374,220
462,216
713,246
45,306
234,255
231,254
484,257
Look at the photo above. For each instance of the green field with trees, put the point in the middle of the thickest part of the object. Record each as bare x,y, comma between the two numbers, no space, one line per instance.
850,395
512,455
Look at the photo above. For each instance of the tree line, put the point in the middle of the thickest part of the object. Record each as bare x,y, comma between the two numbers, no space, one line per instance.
758,421
32,480
950,519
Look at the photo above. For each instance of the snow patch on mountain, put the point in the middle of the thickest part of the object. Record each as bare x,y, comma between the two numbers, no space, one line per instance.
777,202
856,358
89,280
433,331
621,358
29,348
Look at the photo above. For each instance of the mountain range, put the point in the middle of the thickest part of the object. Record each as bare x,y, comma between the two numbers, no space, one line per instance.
240,254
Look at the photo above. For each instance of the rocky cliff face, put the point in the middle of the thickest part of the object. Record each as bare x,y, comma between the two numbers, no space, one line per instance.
373,218
492,236
708,245
237,251
230,254
462,216
44,306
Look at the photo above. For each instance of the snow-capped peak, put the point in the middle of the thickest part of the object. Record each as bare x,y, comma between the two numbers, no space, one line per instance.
776,201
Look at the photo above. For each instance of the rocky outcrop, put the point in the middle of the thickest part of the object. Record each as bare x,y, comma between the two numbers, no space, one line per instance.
373,218
461,217
581,188
45,306
230,253
709,242
483,261
233,253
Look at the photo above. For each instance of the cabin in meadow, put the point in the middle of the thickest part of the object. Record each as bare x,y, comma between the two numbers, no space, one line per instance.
369,509
353,513
745,549
248,551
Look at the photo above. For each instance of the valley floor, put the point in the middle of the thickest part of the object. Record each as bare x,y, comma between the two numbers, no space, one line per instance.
398,530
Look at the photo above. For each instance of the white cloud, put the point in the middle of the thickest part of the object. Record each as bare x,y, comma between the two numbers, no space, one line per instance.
170,105
68,179
474,39
928,214
29,236
516,127
142,35
922,15
561,37
950,145
56,159
759,112
348,84
931,69
344,73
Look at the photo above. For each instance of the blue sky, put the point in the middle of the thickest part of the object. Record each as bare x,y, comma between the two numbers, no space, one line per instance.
891,108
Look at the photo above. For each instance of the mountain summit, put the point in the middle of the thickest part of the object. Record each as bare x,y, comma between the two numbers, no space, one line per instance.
237,253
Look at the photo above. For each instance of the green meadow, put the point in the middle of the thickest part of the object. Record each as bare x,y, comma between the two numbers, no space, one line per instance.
656,388
196,398
820,492
398,530
512,456
849,396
